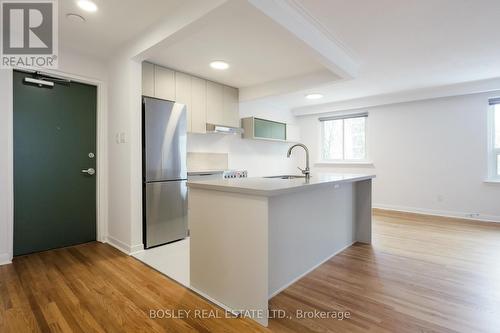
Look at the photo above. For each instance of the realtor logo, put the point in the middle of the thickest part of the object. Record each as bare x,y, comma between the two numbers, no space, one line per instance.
29,33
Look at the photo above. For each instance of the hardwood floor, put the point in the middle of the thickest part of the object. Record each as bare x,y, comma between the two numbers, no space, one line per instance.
421,274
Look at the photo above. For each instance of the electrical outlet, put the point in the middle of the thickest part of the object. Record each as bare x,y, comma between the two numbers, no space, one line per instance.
473,215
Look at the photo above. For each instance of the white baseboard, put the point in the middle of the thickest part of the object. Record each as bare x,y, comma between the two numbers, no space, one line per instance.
123,247
5,259
274,293
225,307
136,249
212,300
118,244
441,213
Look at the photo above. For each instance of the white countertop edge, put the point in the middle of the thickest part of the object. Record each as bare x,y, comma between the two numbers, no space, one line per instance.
273,192
345,163
205,172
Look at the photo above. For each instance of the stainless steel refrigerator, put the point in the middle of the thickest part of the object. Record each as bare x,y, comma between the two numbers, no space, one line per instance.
164,171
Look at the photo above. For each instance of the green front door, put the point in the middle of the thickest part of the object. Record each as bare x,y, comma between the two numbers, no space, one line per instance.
54,139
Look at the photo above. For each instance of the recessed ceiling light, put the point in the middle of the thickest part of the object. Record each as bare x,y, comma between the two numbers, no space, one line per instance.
87,5
218,64
75,18
314,96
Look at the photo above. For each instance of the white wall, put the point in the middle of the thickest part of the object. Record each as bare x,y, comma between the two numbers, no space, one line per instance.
124,111
69,65
125,159
73,64
260,158
6,159
429,156
124,181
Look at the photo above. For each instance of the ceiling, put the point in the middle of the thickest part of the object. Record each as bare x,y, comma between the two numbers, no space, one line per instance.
116,22
401,45
406,45
258,49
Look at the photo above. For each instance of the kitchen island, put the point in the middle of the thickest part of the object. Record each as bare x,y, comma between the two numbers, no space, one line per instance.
253,237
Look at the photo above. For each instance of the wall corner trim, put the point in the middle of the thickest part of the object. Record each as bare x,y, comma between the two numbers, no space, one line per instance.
122,246
136,249
5,259
118,244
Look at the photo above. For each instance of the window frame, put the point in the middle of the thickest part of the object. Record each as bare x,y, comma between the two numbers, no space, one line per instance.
493,152
343,117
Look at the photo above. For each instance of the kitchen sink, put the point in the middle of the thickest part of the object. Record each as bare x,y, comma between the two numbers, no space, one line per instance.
287,176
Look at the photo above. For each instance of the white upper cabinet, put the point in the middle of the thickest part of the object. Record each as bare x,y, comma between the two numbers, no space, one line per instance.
222,105
215,103
164,83
230,107
148,79
183,94
206,101
198,105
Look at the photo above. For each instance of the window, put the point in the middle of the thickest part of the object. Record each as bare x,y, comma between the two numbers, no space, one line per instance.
495,138
344,137
497,126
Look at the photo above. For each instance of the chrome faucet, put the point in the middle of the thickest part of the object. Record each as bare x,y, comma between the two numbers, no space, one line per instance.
306,172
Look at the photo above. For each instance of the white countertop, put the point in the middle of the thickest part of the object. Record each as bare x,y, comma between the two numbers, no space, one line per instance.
275,186
205,172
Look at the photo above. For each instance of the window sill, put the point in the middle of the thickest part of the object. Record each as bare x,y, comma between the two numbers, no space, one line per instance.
492,181
345,163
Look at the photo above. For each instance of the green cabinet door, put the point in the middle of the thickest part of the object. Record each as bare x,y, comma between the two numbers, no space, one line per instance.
262,128
268,129
279,131
54,133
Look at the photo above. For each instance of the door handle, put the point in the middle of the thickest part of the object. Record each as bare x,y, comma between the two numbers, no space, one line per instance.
89,171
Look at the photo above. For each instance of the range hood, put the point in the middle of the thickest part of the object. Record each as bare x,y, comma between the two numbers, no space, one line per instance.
212,128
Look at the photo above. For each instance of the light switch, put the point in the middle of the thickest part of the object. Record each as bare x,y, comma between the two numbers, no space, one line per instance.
123,138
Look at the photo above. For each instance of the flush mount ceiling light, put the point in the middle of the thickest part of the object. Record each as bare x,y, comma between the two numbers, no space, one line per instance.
87,5
75,18
219,64
314,96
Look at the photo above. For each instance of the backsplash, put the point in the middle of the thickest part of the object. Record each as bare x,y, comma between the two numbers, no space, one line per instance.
260,158
199,161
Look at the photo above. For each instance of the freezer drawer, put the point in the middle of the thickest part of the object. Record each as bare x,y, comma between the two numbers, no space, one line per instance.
165,212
